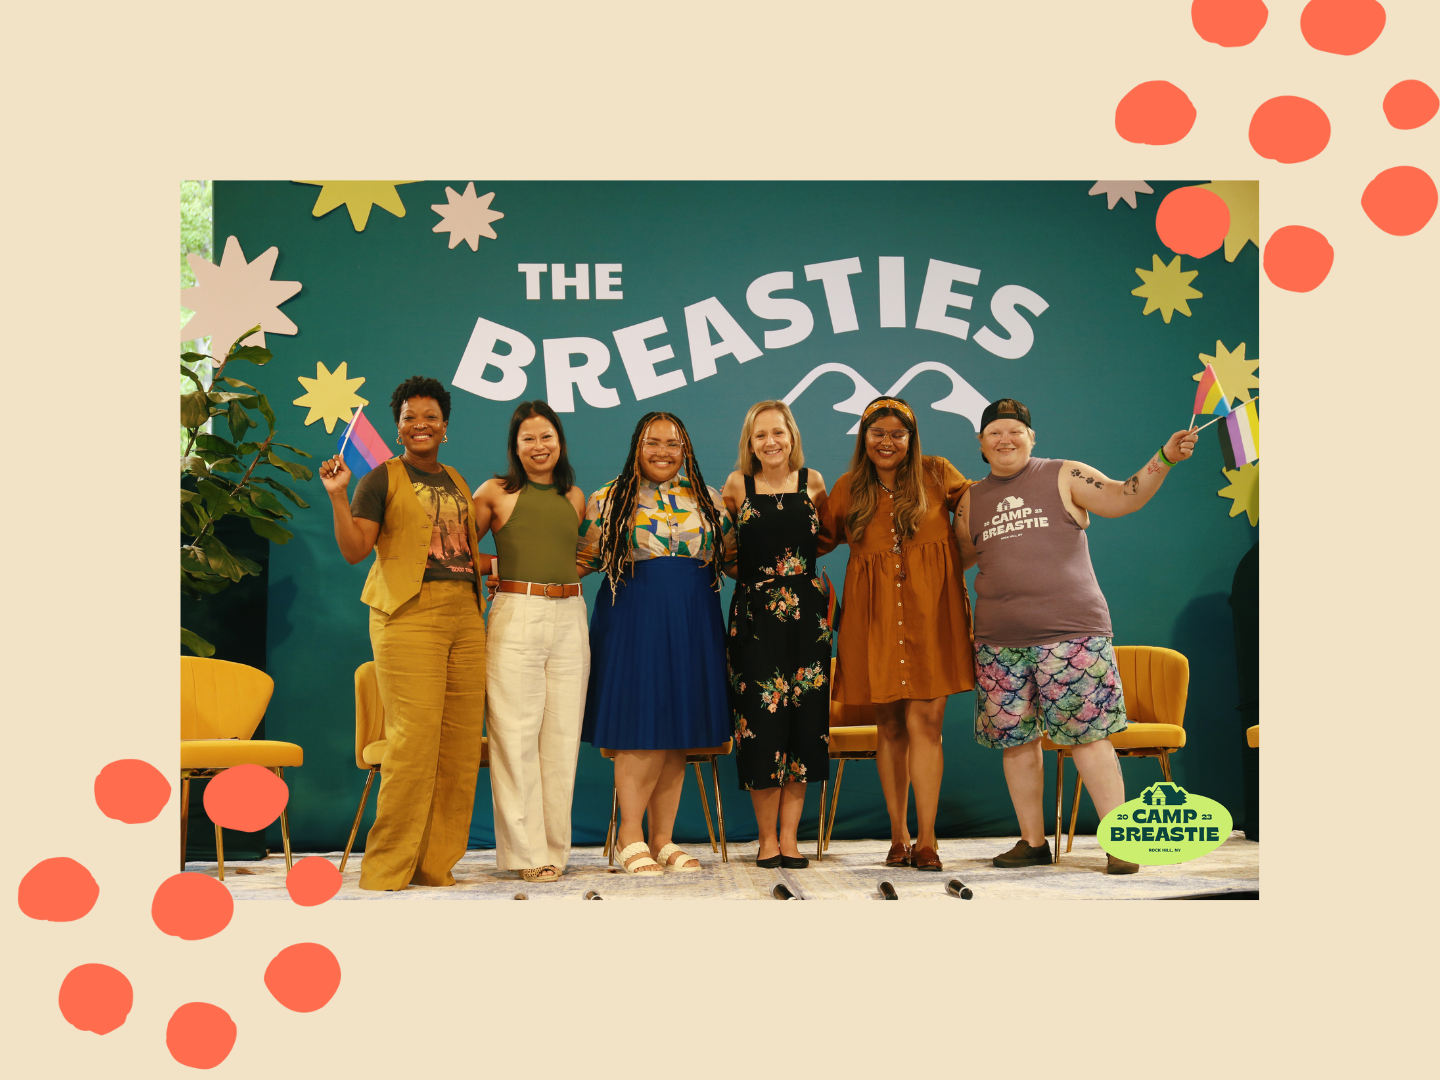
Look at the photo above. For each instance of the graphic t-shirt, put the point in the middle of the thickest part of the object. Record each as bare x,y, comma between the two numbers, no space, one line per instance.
450,558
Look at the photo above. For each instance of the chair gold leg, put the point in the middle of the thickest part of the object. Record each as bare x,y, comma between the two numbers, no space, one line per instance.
610,834
719,811
184,818
820,825
220,852
355,829
834,802
1165,766
705,803
284,826
1059,792
1074,811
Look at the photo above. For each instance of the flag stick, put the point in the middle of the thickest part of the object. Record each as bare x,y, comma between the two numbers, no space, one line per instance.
346,441
1202,427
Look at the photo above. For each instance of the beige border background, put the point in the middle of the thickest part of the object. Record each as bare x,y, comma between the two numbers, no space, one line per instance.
110,105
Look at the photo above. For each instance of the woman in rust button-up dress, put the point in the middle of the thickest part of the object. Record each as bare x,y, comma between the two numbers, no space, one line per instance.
905,626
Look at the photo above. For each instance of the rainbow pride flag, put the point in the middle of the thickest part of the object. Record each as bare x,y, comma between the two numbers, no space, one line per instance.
1210,398
365,449
1240,435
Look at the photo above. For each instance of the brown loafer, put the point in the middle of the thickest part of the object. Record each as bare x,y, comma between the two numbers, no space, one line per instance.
926,858
899,855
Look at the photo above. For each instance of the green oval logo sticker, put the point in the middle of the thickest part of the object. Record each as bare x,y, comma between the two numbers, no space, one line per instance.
1166,824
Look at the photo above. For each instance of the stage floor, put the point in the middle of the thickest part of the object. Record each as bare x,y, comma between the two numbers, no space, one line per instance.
851,870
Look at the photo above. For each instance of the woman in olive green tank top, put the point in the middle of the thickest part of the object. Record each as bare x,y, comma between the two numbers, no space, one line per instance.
538,641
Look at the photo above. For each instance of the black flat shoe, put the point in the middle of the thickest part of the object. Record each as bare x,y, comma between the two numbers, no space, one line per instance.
799,862
770,863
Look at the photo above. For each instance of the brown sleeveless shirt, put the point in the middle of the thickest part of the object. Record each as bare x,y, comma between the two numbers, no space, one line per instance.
1036,585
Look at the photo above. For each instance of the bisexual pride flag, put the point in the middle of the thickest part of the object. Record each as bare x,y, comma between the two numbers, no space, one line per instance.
1240,436
1210,398
362,446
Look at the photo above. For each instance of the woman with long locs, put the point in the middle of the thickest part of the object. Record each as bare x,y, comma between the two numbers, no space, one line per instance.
657,673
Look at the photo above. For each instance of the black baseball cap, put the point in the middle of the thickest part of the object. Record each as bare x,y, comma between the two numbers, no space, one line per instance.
1004,408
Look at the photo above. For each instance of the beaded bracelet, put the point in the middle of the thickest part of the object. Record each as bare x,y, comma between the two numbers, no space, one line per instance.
1168,463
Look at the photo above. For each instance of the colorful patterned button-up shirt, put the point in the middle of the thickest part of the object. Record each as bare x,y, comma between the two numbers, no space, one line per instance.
667,521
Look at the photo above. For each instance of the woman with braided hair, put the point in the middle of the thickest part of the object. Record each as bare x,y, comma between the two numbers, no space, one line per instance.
657,643
905,631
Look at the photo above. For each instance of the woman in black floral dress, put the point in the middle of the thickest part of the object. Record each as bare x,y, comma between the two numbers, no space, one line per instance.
779,640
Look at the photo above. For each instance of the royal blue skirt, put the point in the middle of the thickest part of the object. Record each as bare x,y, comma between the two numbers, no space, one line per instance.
657,660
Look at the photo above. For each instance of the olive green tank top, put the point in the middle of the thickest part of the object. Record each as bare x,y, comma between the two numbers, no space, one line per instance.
539,541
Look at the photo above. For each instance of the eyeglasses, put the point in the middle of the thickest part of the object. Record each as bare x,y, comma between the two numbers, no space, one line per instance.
875,435
656,444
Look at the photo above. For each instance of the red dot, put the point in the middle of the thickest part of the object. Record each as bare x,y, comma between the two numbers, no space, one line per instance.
1410,104
1192,221
192,906
1342,26
200,1035
303,977
1297,258
1156,113
1228,22
1400,200
96,998
246,798
1289,129
312,881
58,890
131,791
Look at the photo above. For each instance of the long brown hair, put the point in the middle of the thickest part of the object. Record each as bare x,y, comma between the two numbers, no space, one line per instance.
617,534
910,501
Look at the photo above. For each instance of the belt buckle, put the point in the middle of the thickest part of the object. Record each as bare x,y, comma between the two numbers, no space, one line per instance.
557,595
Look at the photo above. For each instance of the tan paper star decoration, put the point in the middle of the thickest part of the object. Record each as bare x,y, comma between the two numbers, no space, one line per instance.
232,295
330,397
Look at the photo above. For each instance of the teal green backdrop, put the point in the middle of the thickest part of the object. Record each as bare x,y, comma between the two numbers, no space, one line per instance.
1104,384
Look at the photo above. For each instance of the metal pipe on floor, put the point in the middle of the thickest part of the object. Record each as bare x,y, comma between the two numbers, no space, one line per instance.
956,887
887,891
780,892
593,895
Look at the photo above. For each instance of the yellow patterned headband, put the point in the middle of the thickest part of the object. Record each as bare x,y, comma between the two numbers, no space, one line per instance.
888,403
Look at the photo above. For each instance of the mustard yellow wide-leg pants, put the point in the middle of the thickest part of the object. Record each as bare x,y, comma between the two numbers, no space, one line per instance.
430,666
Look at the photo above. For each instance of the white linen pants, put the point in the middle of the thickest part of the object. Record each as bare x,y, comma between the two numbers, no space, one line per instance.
537,667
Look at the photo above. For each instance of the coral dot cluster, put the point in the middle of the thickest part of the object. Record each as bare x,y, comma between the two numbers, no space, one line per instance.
190,906
1287,129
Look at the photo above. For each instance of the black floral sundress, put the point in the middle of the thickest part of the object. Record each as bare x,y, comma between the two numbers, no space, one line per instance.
778,646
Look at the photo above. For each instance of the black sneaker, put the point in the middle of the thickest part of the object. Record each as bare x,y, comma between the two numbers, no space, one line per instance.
1022,854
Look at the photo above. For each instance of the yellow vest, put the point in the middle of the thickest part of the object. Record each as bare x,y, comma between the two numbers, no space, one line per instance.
403,547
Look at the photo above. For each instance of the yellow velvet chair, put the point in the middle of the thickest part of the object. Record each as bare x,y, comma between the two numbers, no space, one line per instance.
853,737
370,741
221,705
694,756
1252,737
1156,683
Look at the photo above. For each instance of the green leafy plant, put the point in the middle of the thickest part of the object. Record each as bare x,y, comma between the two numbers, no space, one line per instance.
207,565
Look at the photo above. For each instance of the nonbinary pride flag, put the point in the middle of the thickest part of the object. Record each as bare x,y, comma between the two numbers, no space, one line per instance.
1240,436
366,448
1210,398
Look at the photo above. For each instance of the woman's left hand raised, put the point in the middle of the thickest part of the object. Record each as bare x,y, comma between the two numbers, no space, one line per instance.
1181,445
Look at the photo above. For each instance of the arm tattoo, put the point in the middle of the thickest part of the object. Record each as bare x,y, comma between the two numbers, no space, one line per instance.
1153,466
1074,472
1132,486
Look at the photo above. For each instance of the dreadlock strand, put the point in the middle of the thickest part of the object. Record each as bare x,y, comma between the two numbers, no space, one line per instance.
707,508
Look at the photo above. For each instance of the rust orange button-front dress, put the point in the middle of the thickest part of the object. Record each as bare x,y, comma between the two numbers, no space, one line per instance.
905,619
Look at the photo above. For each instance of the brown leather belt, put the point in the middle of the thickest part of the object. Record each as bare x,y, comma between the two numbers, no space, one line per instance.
534,588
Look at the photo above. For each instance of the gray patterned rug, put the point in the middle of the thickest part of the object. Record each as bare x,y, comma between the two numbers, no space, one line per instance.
851,870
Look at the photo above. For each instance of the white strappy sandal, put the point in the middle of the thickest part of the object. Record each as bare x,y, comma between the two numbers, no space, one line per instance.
640,865
682,866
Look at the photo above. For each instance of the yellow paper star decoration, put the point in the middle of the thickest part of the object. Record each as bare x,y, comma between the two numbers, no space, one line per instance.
1243,199
358,196
1236,374
1244,489
1166,288
330,396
